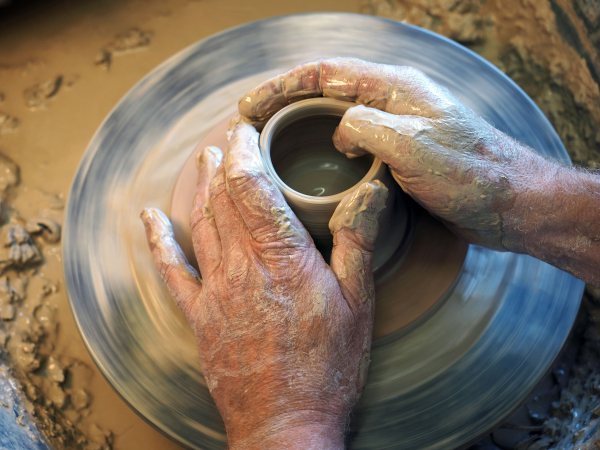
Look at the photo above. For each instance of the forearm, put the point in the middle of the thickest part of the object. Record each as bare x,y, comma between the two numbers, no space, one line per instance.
556,218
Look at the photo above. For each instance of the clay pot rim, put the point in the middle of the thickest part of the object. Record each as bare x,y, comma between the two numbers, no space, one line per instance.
325,106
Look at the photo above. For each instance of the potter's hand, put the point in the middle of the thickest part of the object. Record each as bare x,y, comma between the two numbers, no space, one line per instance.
440,152
283,338
486,187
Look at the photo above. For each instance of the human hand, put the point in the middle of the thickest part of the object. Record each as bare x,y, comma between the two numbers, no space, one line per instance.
283,338
445,156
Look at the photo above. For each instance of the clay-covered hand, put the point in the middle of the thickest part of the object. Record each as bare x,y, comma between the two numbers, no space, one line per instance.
283,338
445,156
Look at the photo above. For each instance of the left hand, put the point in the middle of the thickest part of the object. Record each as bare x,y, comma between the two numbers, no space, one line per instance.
284,339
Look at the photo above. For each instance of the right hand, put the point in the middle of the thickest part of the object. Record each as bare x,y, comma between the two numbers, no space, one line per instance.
441,153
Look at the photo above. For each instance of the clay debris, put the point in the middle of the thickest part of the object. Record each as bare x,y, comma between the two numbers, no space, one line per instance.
8,123
37,96
19,250
460,20
54,387
131,41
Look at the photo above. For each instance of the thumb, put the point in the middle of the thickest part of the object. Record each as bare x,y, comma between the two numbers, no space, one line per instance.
387,136
181,279
354,226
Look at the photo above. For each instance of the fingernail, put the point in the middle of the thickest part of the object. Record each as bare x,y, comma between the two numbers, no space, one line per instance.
150,215
145,215
158,223
209,154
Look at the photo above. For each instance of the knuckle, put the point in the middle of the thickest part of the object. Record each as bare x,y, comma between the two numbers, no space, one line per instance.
237,269
196,221
243,179
186,305
201,215
415,74
354,113
217,185
237,277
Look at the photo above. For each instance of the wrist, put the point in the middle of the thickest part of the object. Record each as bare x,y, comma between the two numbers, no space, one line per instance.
555,218
526,223
298,430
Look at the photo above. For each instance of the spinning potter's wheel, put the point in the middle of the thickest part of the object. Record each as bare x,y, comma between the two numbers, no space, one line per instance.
442,374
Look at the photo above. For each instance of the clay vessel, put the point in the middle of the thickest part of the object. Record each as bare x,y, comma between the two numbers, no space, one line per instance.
298,154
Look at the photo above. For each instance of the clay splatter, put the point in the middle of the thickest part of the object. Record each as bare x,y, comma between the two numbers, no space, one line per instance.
8,123
37,96
131,41
55,387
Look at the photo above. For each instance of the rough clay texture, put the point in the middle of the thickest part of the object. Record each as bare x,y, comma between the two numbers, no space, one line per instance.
55,386
551,48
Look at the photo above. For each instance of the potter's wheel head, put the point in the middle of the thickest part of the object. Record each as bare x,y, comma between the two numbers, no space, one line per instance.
437,382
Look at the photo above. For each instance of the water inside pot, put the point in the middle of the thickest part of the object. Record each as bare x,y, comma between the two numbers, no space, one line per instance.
304,157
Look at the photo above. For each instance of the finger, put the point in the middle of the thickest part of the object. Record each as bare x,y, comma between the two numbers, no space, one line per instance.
354,226
230,225
261,205
394,89
388,136
181,278
301,82
205,237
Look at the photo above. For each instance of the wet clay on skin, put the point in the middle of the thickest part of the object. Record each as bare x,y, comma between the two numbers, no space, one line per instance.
410,123
360,210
